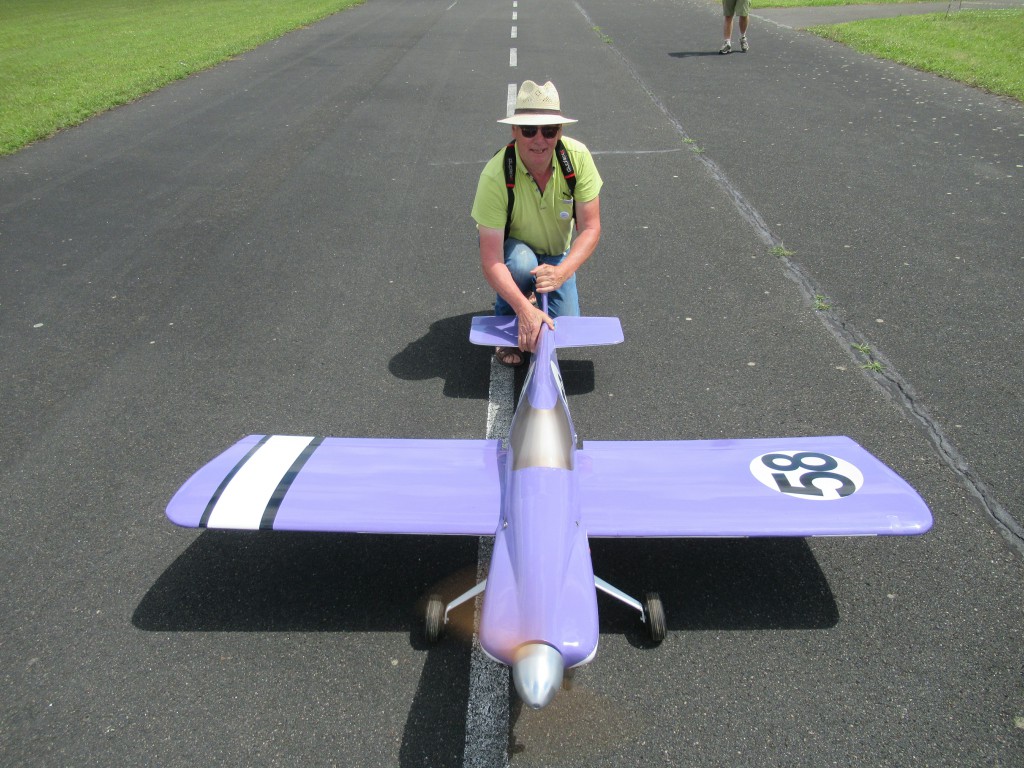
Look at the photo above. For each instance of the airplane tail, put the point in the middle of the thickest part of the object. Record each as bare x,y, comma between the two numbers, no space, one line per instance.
570,331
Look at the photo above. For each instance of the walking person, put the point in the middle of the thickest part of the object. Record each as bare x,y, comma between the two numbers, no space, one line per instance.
732,8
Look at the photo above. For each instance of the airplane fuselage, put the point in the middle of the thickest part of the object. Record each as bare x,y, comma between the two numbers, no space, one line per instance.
540,606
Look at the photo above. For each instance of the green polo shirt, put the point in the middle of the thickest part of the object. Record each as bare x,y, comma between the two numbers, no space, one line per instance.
544,222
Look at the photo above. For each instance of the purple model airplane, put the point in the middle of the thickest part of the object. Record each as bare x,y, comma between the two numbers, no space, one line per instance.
541,494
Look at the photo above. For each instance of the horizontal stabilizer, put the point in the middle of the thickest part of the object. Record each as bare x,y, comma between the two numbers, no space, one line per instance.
570,331
794,486
347,485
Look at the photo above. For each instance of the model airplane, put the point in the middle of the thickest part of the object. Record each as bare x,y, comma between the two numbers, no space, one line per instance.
541,493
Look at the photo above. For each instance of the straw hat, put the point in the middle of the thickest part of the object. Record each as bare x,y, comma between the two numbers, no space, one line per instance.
537,105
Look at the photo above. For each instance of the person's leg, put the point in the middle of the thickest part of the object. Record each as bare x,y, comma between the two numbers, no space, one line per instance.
727,45
728,10
520,260
743,11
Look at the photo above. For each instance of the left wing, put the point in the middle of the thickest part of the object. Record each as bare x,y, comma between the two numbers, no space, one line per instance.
346,485
793,486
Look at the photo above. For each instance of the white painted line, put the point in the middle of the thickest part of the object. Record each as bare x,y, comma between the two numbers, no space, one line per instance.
512,57
510,108
508,111
500,401
488,712
770,21
638,151
515,32
515,16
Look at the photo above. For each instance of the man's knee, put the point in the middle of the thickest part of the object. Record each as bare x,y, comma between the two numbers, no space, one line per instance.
520,260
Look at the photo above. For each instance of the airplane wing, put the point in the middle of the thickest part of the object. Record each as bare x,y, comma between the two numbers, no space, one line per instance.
570,331
346,485
806,486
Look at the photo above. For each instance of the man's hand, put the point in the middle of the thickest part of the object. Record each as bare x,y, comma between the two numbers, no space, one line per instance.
530,321
549,278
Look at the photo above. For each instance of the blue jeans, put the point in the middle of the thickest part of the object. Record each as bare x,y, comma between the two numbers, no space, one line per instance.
520,260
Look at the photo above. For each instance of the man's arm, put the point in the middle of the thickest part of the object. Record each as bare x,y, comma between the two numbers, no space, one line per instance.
588,233
492,261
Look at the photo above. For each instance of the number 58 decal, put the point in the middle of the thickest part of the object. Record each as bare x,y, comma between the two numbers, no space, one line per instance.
807,474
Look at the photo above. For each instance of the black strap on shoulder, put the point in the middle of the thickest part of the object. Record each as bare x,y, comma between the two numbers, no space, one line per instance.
566,165
568,172
509,166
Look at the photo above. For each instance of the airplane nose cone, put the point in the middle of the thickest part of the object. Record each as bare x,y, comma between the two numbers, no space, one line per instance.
537,672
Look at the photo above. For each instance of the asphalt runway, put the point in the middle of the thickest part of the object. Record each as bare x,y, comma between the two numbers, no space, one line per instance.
283,245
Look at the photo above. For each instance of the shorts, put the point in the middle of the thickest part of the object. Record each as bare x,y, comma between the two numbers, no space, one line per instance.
736,7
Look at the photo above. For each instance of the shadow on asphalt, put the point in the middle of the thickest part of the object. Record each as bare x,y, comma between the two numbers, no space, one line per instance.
274,581
270,581
277,581
715,584
692,54
445,353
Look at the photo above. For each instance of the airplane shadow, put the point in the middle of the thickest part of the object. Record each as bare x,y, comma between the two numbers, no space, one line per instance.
444,352
229,581
715,584
282,581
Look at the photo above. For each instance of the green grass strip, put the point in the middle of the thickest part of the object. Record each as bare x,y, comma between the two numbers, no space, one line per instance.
980,48
62,61
818,3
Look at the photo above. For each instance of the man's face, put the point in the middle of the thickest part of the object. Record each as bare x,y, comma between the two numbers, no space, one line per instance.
537,149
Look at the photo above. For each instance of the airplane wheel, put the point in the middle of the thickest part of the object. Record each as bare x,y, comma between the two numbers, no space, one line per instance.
434,619
655,616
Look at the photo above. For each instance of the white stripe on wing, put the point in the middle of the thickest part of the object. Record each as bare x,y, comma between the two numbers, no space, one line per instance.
243,501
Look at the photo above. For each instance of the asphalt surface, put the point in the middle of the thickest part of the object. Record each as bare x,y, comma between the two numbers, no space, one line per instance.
283,244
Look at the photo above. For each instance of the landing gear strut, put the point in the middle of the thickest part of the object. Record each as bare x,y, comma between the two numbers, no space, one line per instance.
651,611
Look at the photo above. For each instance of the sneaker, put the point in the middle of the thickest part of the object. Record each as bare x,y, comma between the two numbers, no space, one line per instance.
744,45
727,48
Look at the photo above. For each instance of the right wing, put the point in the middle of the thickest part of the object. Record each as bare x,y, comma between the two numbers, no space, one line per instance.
793,486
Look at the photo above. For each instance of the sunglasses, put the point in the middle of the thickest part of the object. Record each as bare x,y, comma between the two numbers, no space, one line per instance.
547,131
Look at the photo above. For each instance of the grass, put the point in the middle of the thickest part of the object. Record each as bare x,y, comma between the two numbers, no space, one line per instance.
809,3
62,61
981,48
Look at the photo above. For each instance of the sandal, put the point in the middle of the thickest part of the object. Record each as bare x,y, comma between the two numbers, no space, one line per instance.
509,356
